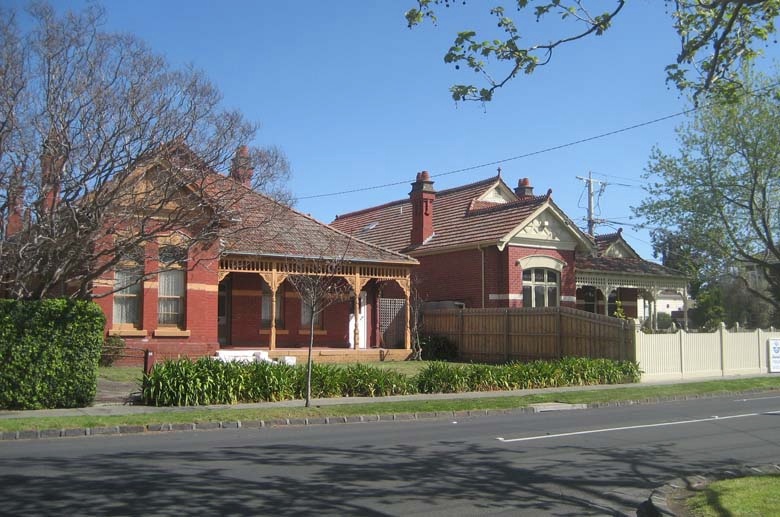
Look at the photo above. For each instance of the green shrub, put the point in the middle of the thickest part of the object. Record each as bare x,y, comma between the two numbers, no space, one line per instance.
207,381
327,381
439,377
49,351
438,348
270,382
113,348
369,381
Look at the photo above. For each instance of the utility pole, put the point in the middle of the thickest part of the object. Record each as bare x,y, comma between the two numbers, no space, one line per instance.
591,220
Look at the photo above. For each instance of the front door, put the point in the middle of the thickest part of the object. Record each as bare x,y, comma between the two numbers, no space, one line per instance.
361,323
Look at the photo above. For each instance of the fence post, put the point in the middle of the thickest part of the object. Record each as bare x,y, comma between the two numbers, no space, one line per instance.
148,361
506,335
721,335
682,357
460,345
559,323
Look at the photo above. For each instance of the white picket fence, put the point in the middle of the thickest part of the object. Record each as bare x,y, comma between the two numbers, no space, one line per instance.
685,355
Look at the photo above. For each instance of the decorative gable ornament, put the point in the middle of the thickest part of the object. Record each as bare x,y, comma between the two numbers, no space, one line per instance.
546,228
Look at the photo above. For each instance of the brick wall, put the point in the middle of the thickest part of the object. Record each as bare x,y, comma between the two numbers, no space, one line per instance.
457,276
200,308
568,275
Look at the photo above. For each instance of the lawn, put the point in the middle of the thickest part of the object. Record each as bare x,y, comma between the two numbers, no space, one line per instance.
752,495
120,373
576,396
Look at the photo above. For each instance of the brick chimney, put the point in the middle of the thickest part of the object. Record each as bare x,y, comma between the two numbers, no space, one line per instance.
524,189
53,160
15,222
241,169
422,197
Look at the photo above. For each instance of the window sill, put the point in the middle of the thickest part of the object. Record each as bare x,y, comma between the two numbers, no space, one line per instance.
173,332
305,332
127,332
279,332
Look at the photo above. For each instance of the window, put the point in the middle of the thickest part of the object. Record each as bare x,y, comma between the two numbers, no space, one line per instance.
172,288
540,287
306,317
588,296
265,308
612,303
127,298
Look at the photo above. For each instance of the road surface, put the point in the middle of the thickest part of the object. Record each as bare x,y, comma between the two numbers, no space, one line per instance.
582,462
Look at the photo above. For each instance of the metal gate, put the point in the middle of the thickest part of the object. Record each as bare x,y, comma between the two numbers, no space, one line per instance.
392,322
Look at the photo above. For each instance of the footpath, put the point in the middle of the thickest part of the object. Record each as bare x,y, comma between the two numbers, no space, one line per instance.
114,406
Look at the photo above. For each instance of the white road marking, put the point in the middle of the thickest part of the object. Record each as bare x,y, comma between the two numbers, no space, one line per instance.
631,427
757,398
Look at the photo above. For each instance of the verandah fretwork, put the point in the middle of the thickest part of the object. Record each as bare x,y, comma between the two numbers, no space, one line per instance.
274,272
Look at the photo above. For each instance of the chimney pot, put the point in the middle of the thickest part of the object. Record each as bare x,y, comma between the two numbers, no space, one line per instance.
524,189
241,169
422,197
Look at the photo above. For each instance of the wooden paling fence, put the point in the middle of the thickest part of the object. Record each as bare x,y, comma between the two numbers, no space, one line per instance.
501,335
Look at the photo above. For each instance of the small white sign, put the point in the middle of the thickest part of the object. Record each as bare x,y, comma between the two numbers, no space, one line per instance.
774,355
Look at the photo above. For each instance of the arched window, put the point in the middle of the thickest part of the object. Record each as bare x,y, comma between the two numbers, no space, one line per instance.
541,287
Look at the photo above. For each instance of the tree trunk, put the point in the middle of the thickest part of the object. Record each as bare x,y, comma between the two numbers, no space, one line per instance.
308,363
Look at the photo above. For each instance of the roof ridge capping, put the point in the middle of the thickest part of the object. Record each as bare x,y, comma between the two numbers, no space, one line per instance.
371,209
512,204
439,193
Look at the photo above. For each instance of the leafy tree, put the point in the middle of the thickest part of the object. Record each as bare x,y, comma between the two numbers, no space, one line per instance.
680,252
743,308
81,112
716,37
721,191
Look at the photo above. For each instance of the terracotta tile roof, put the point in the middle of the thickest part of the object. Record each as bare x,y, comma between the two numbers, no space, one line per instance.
261,226
626,265
603,242
631,266
459,218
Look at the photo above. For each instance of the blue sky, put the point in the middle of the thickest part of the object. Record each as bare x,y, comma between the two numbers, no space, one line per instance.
356,99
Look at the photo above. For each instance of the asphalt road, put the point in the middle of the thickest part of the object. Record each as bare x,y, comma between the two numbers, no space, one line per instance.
584,462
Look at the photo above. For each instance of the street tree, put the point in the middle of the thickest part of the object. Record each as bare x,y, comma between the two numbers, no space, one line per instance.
319,280
721,190
104,148
716,38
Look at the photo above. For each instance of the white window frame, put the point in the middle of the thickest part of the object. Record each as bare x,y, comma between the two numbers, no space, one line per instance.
265,308
534,283
127,281
172,287
306,318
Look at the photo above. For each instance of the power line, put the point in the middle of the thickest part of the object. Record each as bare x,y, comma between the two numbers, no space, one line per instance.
540,151
513,158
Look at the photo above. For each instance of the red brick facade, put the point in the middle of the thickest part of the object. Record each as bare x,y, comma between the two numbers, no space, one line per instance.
198,334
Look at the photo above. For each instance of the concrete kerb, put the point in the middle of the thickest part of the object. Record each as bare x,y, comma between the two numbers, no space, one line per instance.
662,499
123,409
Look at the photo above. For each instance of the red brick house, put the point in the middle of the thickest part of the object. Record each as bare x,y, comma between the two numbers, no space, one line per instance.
234,292
487,245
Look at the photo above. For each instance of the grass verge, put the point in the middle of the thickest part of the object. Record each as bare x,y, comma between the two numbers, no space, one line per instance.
583,396
753,495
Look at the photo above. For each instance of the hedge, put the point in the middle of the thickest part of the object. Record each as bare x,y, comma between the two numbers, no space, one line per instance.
49,351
